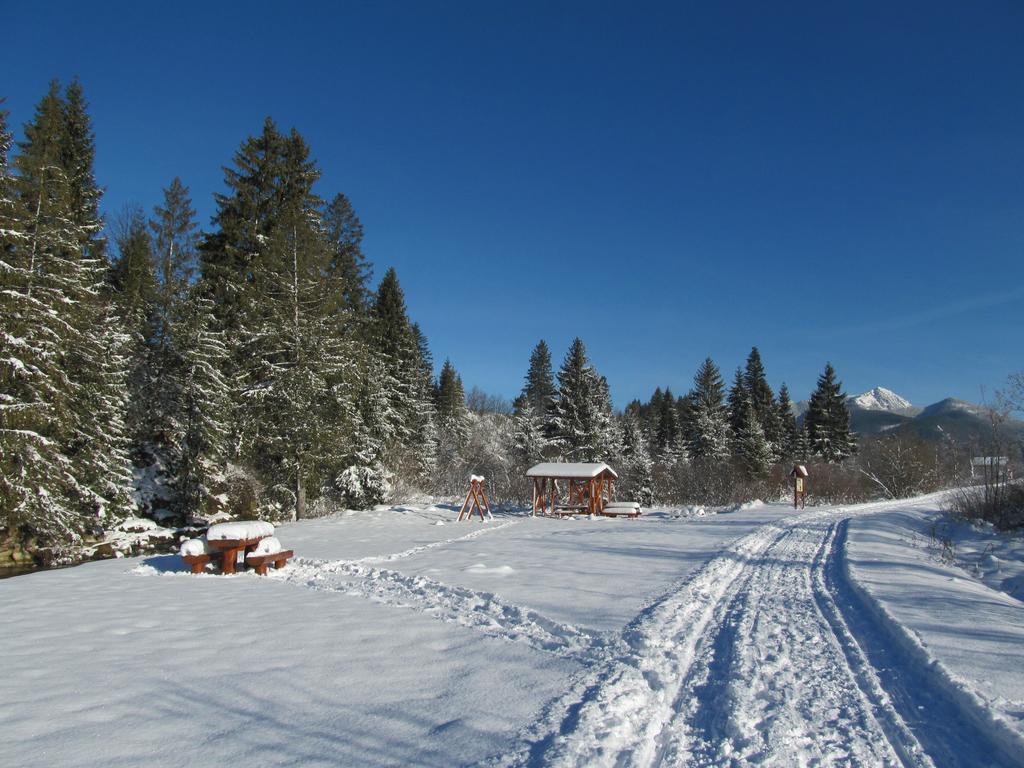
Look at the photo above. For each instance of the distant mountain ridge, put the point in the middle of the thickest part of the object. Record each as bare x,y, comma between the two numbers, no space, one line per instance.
882,399
881,410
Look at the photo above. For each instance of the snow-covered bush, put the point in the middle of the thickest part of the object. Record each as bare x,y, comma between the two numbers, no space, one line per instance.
363,487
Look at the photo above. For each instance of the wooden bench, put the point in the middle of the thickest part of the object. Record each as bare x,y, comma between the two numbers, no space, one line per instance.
260,562
620,512
196,561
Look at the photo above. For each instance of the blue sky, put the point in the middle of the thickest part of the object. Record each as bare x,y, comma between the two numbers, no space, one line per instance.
826,181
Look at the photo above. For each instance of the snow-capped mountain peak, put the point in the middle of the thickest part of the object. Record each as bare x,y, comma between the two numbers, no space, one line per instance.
882,399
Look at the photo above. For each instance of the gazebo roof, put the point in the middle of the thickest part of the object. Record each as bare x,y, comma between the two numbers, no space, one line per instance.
568,471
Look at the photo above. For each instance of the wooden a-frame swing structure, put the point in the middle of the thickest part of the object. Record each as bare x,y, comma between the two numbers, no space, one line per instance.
478,497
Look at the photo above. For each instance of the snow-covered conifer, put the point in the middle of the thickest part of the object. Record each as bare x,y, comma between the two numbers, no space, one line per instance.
710,436
582,413
828,420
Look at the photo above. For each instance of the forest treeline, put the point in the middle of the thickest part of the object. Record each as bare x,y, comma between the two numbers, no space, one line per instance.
152,368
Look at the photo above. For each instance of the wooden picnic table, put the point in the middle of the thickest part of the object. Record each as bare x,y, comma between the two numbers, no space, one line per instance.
230,548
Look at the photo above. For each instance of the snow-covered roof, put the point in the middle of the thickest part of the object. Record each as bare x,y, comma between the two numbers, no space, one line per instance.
990,461
568,470
799,470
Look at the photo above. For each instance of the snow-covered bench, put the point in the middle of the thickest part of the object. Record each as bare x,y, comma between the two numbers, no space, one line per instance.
268,551
197,553
621,509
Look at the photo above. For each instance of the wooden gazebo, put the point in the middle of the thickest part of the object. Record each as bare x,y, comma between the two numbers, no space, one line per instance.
589,487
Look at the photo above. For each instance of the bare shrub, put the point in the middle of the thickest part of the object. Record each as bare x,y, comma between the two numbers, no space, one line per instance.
902,466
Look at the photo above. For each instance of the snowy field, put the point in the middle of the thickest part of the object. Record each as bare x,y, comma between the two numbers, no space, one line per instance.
831,636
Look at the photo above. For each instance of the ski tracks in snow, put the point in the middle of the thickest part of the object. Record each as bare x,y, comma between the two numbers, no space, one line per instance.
766,655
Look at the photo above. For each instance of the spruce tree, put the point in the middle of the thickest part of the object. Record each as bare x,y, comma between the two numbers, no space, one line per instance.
133,288
582,412
407,359
539,390
828,420
710,436
788,432
292,353
762,400
348,268
174,239
37,490
452,416
200,426
750,446
231,256
667,436
739,403
100,359
69,392
637,469
532,433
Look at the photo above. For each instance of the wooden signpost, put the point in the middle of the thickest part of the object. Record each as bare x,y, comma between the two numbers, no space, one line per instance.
799,475
478,497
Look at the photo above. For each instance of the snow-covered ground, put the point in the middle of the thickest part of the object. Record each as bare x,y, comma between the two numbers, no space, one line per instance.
846,635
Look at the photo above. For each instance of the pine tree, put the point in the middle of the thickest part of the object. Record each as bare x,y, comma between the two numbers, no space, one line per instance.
637,466
710,436
133,288
292,354
788,432
173,252
65,463
452,416
762,400
200,424
828,420
406,356
739,404
539,390
532,431
750,447
98,363
451,397
38,493
582,413
348,267
231,256
667,436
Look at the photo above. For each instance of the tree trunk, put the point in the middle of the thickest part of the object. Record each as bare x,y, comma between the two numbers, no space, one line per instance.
300,493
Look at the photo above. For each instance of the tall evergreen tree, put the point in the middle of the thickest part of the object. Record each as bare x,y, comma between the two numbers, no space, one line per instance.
98,362
348,267
66,395
133,288
828,420
201,425
788,432
667,436
582,413
451,397
292,353
411,408
539,391
637,467
762,400
751,448
710,436
739,403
